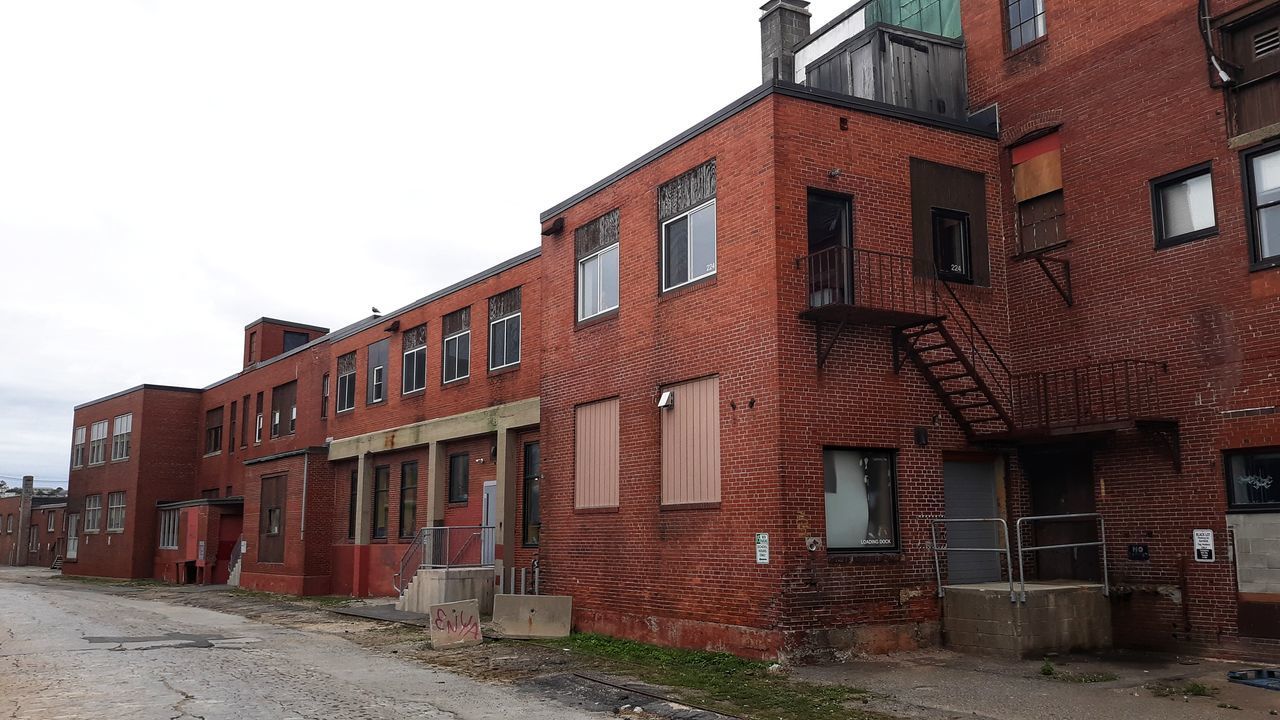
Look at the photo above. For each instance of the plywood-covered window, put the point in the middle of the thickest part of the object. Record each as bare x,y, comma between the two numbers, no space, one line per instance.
271,519
691,442
596,454
1037,187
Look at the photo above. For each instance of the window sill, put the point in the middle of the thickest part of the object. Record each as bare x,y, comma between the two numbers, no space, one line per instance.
1268,264
212,454
348,410
414,393
1185,238
119,460
458,503
98,464
1246,510
1023,49
690,506
1032,254
504,370
457,382
863,556
690,286
116,532
596,510
597,319
373,403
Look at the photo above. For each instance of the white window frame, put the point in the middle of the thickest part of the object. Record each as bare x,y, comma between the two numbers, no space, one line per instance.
715,245
404,366
92,511
350,380
293,419
77,447
120,439
111,511
275,423
379,383
98,443
444,357
52,517
257,431
598,256
505,322
169,521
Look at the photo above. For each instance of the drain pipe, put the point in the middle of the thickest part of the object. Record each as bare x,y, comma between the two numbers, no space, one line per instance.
306,458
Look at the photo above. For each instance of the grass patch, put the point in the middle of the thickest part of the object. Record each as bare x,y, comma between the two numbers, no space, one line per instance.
722,682
1187,689
1050,671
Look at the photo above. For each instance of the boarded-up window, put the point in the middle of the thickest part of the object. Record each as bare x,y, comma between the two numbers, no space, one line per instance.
284,409
691,443
271,520
1037,187
596,454
956,193
1253,43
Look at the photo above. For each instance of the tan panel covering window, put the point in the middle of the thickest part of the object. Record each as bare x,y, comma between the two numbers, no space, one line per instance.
596,454
1038,176
691,443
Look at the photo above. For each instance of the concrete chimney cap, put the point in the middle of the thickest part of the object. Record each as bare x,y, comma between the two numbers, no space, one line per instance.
794,5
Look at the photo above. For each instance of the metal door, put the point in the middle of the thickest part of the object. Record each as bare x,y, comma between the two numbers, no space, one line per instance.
488,520
1061,483
73,540
970,492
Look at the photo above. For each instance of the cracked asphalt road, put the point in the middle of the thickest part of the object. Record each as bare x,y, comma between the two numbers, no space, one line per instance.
76,653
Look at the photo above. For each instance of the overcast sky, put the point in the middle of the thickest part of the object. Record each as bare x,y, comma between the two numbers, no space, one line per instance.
170,171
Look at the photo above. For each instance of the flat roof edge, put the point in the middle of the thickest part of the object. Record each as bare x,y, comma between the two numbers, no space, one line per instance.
136,388
277,321
782,88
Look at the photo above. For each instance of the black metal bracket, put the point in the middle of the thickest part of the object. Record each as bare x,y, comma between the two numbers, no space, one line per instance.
1062,286
1167,437
824,349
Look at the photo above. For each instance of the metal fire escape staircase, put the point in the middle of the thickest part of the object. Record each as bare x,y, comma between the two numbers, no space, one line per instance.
934,331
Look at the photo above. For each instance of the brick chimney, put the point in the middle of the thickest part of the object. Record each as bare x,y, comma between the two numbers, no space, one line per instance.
783,24
24,519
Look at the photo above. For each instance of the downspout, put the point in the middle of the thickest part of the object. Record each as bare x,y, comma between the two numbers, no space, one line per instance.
302,532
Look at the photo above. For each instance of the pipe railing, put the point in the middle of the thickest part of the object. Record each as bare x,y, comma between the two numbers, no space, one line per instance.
868,279
937,563
1093,394
1101,543
446,547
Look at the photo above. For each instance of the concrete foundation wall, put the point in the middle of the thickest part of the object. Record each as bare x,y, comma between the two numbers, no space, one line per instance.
1054,618
438,586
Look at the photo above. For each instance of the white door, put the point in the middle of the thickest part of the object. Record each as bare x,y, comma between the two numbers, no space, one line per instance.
73,540
488,520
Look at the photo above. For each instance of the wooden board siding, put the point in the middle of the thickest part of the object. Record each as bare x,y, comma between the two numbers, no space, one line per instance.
271,546
596,454
691,444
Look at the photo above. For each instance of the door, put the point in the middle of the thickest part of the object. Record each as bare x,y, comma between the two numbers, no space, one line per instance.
489,522
73,540
1061,483
970,492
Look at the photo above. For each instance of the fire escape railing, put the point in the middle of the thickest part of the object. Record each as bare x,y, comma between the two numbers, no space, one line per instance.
868,279
1096,394
899,286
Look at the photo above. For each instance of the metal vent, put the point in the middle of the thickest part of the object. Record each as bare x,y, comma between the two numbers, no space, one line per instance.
1266,42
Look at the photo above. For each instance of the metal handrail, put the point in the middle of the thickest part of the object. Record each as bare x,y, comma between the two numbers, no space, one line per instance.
1101,542
937,564
1007,385
414,548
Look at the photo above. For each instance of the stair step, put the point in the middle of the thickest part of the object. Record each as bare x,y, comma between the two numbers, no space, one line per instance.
923,350
936,363
962,391
968,406
945,378
983,419
933,330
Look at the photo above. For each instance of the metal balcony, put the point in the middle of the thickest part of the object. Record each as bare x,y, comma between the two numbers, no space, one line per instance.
868,287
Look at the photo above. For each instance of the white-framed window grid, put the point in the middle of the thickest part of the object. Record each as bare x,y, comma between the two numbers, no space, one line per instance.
275,423
122,432
77,447
598,284
52,520
503,351
92,513
98,443
169,520
379,383
457,346
346,391
115,512
293,419
698,222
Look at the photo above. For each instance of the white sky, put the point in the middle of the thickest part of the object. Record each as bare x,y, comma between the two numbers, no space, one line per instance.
170,171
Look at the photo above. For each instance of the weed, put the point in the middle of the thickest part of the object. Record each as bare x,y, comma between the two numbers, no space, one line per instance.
1049,671
721,681
1187,689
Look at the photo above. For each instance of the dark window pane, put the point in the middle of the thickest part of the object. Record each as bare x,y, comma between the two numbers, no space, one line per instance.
351,510
381,483
512,351
676,253
1253,477
459,465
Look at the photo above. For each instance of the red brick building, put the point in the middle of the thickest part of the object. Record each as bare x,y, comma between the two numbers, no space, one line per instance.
32,526
987,260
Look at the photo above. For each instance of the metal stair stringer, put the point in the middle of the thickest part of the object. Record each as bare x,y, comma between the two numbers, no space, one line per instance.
959,386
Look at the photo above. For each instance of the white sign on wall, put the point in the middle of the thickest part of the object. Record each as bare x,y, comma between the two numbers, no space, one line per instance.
1202,543
762,548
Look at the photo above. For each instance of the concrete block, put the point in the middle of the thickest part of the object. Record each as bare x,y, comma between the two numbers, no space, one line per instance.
455,624
435,586
532,616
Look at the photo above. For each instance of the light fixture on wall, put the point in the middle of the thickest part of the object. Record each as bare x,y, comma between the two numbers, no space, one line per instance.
667,399
833,173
